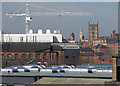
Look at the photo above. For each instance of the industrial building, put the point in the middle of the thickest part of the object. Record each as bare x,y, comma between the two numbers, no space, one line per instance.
22,53
33,37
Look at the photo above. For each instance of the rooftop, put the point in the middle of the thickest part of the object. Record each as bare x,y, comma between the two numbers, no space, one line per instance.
99,46
86,49
54,80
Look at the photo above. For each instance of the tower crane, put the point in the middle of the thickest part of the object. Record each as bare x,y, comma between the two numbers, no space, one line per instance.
28,19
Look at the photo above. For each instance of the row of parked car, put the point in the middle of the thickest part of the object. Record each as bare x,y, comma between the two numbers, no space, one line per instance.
56,68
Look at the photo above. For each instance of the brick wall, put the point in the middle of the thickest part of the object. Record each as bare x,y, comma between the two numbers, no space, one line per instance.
114,69
32,58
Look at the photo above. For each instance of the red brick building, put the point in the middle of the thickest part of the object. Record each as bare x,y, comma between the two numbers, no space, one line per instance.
89,55
22,53
111,43
26,53
103,48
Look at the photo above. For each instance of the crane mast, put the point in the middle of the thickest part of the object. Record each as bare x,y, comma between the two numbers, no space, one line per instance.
27,19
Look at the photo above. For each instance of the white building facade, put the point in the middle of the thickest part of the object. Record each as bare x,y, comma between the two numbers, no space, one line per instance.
34,37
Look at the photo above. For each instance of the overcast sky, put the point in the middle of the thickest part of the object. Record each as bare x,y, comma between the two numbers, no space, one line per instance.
106,14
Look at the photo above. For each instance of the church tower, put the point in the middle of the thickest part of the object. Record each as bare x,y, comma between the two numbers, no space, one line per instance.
81,37
93,32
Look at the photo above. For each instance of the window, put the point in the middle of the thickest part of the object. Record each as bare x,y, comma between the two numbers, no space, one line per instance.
2,56
57,57
93,61
93,33
21,39
10,38
16,56
110,61
30,56
53,56
26,38
87,58
45,56
23,56
38,56
82,60
67,57
35,38
103,60
9,56
73,56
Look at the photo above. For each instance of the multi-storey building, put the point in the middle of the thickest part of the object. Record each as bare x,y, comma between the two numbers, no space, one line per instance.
33,37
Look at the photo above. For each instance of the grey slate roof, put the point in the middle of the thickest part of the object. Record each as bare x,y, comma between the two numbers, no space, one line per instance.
27,47
99,53
57,47
87,54
111,40
86,49
104,57
99,46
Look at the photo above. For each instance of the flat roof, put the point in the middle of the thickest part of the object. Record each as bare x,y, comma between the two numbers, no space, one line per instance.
57,80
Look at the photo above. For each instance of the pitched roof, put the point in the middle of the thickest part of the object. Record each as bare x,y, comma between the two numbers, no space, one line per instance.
99,53
57,47
24,46
99,46
104,57
86,49
28,47
111,40
87,54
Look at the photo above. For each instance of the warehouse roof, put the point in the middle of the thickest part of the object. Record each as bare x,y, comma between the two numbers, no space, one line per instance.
27,47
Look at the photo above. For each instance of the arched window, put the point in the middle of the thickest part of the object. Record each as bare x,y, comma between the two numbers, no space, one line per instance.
103,60
2,56
45,56
30,56
110,61
92,59
53,56
38,56
9,56
66,57
87,59
16,56
23,56
74,56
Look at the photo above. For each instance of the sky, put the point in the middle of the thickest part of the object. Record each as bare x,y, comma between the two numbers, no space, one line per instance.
105,13
59,0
